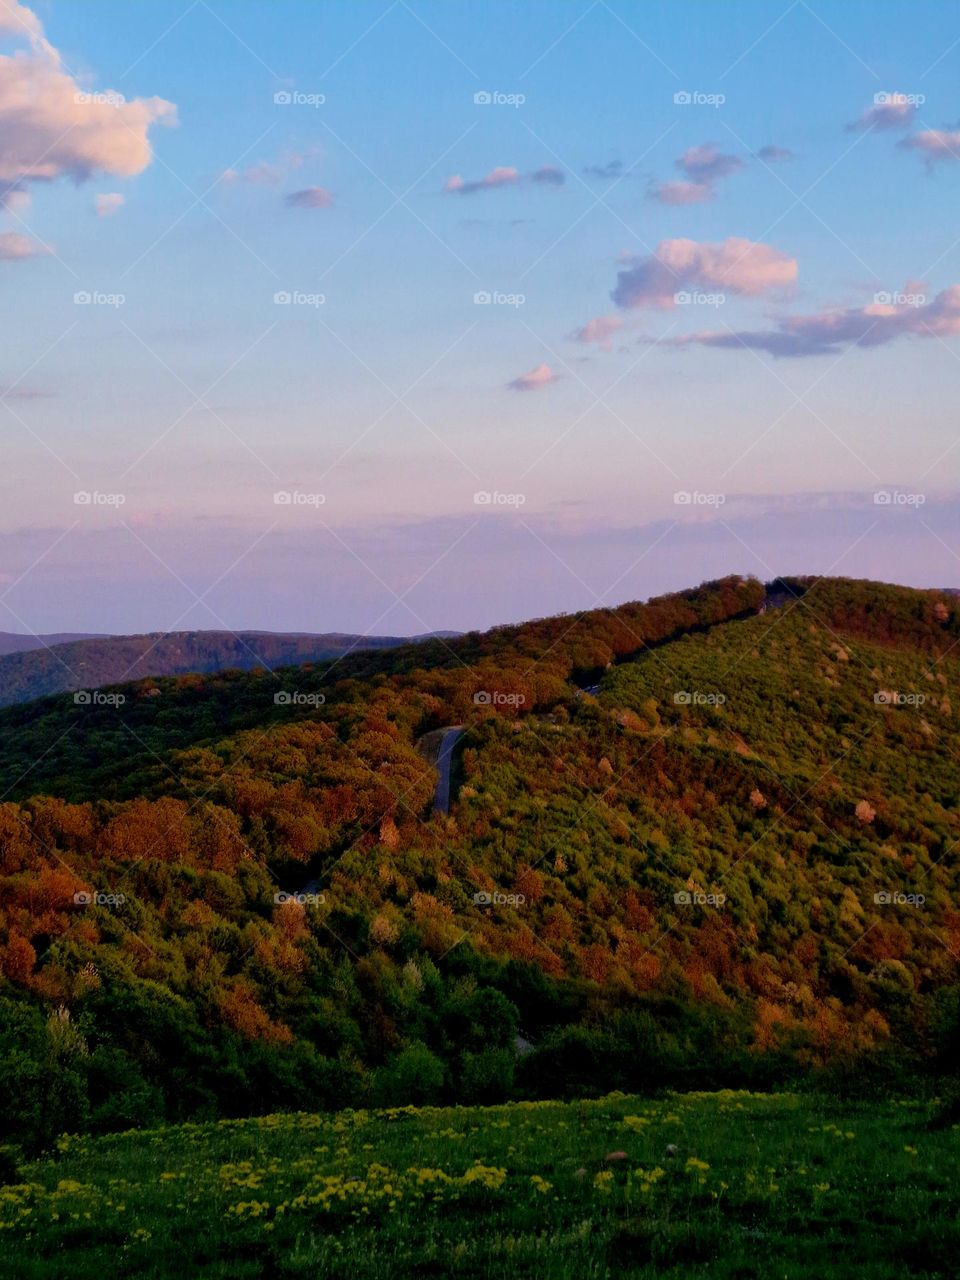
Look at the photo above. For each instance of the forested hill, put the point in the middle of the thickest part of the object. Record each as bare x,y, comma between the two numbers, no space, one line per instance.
735,862
34,666
117,741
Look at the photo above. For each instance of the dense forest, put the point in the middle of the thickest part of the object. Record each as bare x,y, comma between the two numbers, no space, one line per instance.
704,841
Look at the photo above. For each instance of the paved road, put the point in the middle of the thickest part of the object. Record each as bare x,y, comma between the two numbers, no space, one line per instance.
441,797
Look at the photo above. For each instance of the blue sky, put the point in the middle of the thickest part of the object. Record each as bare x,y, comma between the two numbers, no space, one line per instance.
815,366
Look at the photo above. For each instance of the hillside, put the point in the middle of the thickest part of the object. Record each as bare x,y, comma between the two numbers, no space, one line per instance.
34,666
732,866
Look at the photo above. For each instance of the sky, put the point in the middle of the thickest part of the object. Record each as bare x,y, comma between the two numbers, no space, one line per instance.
389,317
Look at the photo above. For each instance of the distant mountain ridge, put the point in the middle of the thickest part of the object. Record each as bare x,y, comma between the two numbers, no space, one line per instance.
34,666
15,642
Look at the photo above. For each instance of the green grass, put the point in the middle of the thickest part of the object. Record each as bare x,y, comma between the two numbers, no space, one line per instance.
757,1186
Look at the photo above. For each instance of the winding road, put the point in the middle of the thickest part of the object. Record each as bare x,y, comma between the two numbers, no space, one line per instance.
441,797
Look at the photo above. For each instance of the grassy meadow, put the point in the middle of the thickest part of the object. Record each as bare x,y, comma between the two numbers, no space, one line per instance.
723,1184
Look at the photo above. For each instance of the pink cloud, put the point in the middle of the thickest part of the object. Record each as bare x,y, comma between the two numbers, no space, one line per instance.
599,330
14,246
310,198
935,144
269,172
707,164
889,111
262,174
735,266
702,167
547,175
682,192
51,126
539,377
14,196
503,176
16,19
108,203
829,332
771,154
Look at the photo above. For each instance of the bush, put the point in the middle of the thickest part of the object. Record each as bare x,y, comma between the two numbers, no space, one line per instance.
413,1077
